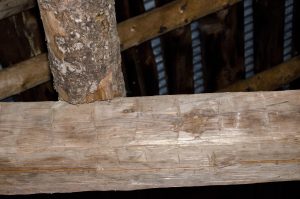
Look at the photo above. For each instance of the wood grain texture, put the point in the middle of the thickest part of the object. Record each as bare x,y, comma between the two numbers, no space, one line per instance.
167,18
24,75
12,7
270,79
149,142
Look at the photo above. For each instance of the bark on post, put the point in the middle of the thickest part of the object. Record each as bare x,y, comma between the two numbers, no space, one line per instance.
84,49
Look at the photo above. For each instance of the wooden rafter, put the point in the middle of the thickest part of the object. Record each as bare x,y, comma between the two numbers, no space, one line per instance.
24,75
270,79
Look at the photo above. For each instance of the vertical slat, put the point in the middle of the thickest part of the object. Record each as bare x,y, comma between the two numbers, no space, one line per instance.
296,37
139,65
222,36
268,33
177,47
288,29
160,66
158,53
128,66
297,27
197,58
248,39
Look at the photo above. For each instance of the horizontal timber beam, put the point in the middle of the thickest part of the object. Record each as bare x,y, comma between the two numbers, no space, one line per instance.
12,7
150,142
270,79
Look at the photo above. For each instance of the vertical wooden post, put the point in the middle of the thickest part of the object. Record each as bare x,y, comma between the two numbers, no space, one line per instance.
178,56
139,65
268,54
84,49
222,47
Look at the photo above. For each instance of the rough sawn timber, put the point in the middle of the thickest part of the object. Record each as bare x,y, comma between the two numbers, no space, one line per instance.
149,142
84,49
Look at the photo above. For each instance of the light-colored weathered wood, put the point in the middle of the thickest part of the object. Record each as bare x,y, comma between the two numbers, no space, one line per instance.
138,143
84,49
270,79
24,75
11,7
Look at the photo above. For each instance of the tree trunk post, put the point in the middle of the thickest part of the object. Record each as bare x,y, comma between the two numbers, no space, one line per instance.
84,49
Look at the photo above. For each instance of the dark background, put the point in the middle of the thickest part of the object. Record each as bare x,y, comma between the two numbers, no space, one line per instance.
280,190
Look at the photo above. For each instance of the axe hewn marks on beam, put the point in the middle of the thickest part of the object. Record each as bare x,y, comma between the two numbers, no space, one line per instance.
150,142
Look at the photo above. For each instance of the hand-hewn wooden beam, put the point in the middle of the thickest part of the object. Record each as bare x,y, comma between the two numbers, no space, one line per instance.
150,142
84,49
23,76
11,7
270,79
